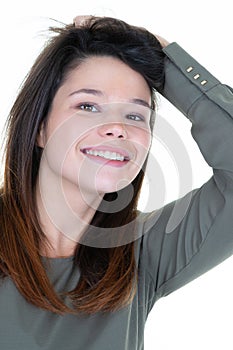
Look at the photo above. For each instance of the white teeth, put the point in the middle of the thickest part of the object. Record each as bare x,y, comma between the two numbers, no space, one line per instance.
106,154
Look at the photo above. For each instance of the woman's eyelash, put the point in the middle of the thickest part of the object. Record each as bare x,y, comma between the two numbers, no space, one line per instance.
93,108
88,107
135,116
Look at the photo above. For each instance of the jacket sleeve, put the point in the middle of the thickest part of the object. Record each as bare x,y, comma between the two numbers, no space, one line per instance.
175,254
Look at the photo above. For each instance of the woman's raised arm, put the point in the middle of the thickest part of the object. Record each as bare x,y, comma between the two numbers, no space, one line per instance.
177,251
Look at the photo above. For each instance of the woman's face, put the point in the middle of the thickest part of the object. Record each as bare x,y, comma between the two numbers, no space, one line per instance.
98,131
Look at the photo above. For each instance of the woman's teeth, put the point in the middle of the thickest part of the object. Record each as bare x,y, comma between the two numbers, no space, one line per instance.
106,155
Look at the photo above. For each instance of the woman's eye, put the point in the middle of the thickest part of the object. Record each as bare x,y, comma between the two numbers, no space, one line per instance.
135,117
88,107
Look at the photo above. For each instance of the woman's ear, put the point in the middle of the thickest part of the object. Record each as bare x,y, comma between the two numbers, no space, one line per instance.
40,140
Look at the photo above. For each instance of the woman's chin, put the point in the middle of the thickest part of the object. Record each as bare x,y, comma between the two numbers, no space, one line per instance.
110,186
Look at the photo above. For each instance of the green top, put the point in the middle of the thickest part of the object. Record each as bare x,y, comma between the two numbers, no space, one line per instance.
168,255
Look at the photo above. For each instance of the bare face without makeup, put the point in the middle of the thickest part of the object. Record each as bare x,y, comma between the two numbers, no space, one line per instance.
96,140
99,126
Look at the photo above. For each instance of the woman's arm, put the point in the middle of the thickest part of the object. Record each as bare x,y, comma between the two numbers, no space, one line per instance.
176,254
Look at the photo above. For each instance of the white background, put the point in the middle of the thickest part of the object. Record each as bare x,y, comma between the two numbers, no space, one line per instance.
199,315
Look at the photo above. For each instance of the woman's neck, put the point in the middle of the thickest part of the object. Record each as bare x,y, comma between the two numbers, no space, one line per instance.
63,213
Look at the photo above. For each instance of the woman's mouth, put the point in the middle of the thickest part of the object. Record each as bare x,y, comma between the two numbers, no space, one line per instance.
107,157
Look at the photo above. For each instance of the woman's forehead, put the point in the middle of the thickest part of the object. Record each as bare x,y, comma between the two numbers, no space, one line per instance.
108,75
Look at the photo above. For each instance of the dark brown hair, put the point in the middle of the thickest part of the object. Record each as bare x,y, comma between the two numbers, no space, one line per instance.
108,275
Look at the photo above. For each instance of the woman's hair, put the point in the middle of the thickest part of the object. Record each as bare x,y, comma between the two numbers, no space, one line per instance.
108,275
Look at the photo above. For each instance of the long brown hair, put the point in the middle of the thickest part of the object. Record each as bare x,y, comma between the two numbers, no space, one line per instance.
108,275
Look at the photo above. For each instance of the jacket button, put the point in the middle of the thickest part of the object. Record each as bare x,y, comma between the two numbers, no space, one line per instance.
189,69
196,76
203,82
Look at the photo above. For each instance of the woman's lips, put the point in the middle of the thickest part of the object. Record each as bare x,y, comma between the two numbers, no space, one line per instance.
122,152
105,161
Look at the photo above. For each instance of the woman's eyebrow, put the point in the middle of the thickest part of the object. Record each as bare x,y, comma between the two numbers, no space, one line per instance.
88,91
140,102
100,93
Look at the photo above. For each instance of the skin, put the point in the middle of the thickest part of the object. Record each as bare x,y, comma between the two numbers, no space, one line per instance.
75,122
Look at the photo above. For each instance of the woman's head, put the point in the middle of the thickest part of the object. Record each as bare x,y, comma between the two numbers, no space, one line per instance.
99,37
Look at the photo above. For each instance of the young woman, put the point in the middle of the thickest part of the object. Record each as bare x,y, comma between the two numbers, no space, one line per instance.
80,266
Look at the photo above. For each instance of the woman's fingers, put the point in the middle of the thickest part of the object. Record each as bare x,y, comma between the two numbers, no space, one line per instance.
80,20
162,41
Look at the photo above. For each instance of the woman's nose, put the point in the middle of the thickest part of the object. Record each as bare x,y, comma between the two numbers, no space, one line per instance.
114,130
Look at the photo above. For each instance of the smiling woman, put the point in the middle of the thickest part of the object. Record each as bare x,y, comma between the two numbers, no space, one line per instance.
76,255
81,68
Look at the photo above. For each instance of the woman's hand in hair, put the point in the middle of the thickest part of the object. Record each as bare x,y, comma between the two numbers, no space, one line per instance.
80,20
162,41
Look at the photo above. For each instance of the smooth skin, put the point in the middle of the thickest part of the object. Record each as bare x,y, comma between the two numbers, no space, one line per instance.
76,121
